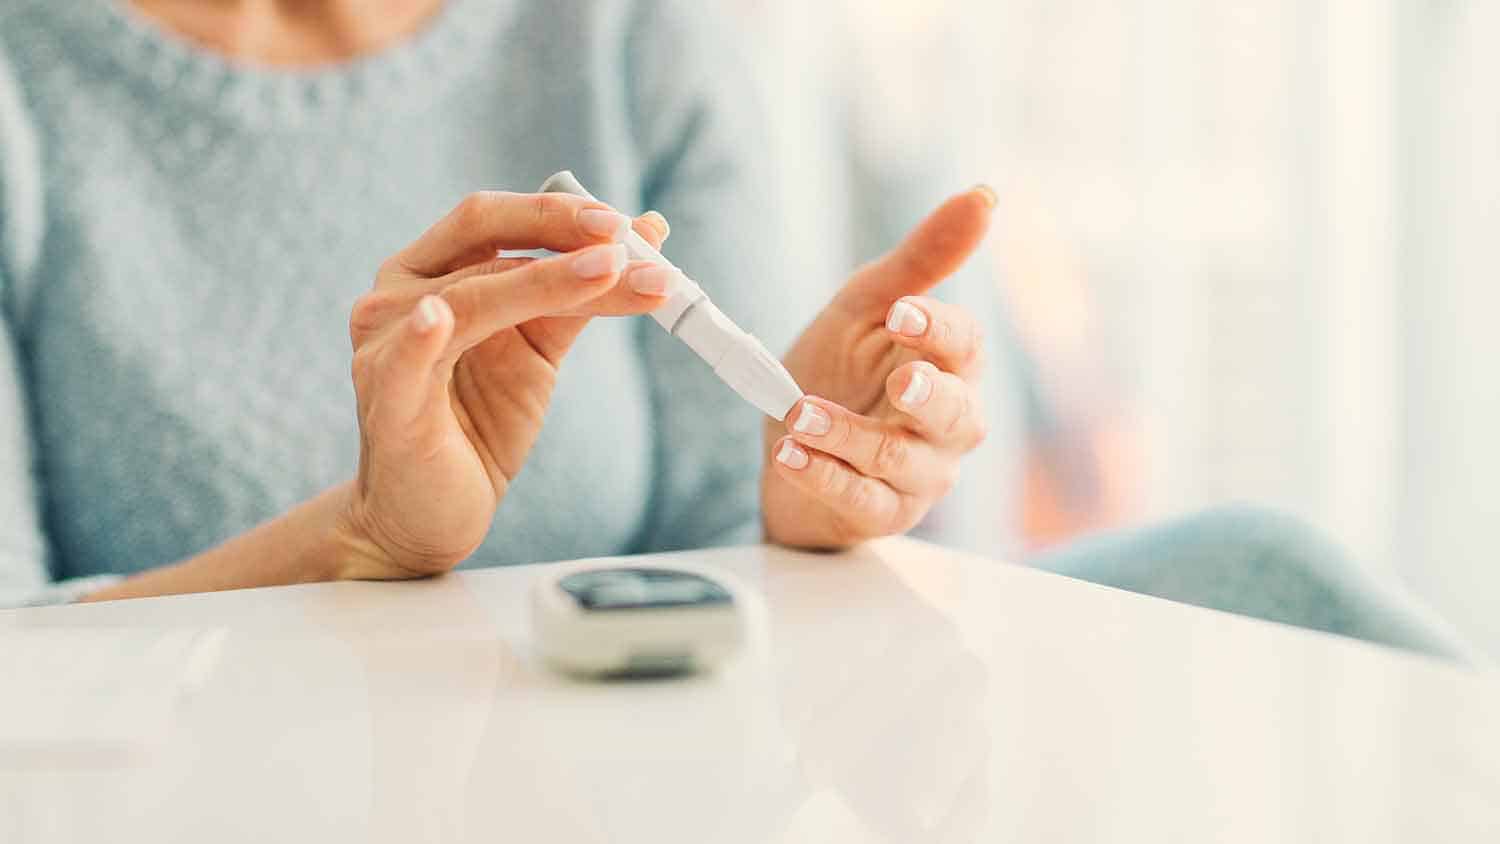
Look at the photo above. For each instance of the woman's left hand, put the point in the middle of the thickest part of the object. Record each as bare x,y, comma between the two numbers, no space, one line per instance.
893,403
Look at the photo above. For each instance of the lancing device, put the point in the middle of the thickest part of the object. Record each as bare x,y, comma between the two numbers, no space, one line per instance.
740,360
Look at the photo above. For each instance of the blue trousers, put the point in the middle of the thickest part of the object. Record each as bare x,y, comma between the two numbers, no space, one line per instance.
1263,564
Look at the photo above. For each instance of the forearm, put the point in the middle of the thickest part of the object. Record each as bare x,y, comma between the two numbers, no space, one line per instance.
311,542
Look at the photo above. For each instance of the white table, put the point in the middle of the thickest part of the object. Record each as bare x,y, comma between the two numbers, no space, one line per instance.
903,693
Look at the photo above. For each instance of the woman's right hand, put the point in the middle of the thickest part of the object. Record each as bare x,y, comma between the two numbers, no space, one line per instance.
455,356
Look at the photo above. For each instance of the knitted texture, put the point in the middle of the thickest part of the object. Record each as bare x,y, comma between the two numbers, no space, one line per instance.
183,237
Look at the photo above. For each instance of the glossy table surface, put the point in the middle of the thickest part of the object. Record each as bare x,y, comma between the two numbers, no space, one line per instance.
900,693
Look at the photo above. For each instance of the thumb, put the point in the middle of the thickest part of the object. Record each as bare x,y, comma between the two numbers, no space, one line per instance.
930,253
410,380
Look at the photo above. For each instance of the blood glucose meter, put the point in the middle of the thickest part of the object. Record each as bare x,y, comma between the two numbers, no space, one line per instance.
635,621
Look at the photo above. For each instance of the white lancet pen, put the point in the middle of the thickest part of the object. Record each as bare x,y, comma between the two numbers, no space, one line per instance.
740,360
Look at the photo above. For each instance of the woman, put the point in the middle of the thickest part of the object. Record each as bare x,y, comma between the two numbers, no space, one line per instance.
207,221
194,193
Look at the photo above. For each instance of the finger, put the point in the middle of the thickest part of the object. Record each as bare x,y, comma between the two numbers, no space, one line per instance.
485,304
870,446
405,290
405,378
493,266
946,334
553,336
941,407
933,251
653,227
486,222
865,506
392,300
644,286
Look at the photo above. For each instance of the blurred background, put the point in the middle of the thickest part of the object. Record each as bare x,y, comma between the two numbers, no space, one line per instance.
1247,252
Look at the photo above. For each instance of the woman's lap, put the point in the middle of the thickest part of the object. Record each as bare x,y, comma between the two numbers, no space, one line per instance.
1263,564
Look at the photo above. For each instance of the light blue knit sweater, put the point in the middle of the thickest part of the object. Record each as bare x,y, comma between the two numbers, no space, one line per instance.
181,239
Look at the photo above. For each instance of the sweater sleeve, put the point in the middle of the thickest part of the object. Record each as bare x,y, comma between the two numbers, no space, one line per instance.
24,574
702,142
24,577
23,569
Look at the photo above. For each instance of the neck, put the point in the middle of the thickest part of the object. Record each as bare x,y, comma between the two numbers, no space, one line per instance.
293,33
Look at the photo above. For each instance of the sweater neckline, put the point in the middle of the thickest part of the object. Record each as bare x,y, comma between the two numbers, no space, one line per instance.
407,73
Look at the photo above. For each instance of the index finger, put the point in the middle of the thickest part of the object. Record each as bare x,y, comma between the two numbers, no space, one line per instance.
488,221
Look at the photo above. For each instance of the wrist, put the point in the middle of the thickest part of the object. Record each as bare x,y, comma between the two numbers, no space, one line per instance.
352,552
315,541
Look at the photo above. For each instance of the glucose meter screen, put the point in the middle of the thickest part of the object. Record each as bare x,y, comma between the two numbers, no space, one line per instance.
642,588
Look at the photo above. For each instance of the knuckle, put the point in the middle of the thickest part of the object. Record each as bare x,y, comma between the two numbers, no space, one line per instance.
942,332
892,454
462,300
981,432
827,480
369,313
537,205
493,266
391,268
840,431
963,414
551,209
979,424
859,497
474,208
362,367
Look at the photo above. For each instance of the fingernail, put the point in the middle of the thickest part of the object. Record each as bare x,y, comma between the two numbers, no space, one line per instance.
990,197
652,280
597,222
428,313
660,222
600,261
907,320
791,456
917,389
812,420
